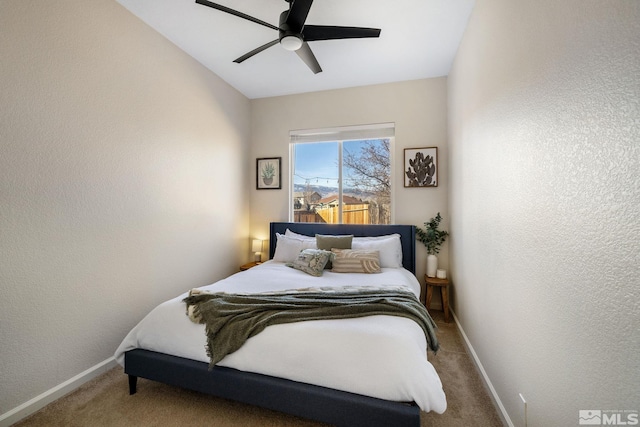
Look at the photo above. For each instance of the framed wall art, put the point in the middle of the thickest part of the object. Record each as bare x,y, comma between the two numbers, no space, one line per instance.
421,167
268,173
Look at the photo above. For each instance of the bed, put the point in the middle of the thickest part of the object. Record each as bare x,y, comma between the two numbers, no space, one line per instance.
318,369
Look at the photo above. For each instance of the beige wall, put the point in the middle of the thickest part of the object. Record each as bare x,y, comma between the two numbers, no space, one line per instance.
418,109
122,183
544,107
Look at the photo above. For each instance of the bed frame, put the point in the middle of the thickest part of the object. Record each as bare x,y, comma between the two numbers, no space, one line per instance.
407,235
309,401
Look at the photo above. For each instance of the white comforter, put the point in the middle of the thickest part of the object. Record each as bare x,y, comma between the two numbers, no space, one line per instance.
378,356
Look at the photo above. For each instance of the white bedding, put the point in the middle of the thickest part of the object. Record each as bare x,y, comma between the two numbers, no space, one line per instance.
378,356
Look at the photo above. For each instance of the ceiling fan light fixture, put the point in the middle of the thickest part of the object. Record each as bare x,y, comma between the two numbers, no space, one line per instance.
291,42
294,33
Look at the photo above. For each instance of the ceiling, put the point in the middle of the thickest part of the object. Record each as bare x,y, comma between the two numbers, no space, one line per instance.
419,39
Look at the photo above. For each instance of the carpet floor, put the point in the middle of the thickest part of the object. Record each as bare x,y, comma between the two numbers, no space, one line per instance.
105,401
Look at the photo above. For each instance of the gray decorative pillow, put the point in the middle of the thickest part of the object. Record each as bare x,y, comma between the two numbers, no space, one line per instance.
311,261
328,242
354,261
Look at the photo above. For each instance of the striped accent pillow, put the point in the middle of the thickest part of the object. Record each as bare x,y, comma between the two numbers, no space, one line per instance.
355,261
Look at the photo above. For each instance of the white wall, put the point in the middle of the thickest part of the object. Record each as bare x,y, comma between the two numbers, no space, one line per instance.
418,109
122,183
544,126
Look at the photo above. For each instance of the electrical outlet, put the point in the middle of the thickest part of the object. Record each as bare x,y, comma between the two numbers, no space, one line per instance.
524,401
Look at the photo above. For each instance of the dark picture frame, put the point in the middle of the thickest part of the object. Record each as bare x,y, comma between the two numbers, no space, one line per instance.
421,167
269,173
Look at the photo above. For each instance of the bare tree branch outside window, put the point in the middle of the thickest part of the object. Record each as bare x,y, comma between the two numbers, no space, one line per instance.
369,170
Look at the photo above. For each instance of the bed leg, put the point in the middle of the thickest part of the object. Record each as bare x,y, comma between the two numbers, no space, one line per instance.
133,380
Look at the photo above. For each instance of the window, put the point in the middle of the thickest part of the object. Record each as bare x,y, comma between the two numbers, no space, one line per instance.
342,175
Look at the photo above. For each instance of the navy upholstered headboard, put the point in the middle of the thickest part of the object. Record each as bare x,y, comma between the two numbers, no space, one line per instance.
407,235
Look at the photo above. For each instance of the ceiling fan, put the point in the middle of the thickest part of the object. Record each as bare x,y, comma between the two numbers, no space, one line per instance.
293,34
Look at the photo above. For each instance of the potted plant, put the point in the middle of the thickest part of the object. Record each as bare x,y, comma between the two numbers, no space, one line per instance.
432,238
268,172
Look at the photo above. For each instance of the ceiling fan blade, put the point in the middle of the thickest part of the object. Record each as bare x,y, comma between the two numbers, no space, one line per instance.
235,13
309,58
256,50
328,32
298,14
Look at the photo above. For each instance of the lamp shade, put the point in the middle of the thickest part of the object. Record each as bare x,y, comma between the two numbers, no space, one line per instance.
256,248
256,245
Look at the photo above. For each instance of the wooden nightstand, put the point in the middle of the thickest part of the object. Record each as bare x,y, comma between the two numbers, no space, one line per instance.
443,285
249,265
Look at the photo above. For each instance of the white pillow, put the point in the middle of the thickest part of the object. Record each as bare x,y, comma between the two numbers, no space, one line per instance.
288,248
290,233
389,247
384,237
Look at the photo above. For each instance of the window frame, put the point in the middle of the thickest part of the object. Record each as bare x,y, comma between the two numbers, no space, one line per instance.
340,136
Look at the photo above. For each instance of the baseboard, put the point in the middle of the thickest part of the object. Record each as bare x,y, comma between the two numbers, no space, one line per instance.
502,412
39,402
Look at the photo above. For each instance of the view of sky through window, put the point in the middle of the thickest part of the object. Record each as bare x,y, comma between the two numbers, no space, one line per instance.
316,163
365,187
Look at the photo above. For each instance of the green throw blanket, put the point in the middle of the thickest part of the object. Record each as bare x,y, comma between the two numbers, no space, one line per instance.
231,319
